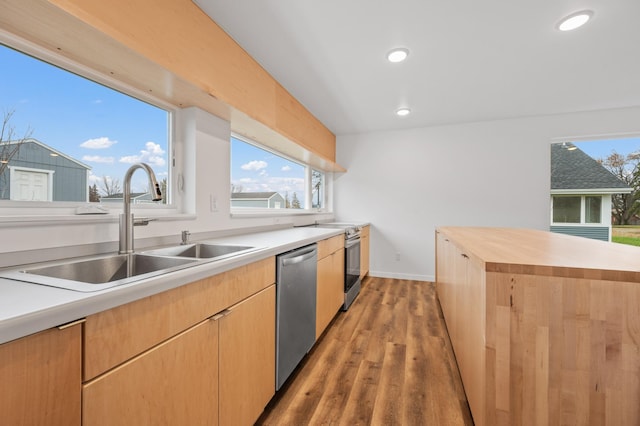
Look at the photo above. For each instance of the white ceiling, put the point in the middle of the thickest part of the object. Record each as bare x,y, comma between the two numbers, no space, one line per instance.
469,60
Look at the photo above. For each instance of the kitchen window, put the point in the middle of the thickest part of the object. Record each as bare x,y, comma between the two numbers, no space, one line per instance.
577,209
70,138
263,180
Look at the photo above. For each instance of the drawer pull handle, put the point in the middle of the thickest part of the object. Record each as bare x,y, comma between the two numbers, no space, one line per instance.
71,324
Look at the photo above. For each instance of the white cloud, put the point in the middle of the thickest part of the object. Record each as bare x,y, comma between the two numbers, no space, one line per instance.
286,168
153,154
98,143
278,184
98,159
97,101
94,179
254,165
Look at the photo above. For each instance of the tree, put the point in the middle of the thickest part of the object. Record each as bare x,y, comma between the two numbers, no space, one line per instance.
295,203
110,186
9,148
627,169
94,197
287,203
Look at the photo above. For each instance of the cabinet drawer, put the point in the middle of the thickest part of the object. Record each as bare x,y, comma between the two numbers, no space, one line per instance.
118,334
174,383
330,245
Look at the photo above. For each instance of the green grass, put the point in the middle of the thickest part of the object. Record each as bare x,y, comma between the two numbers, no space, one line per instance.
626,240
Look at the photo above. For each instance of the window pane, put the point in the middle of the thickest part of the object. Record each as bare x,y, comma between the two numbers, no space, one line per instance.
262,179
593,209
566,209
67,138
317,189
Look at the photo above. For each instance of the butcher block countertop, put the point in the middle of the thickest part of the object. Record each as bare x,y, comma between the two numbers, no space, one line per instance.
545,327
528,251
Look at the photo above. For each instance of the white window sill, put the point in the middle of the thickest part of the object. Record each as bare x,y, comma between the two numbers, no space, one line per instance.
254,212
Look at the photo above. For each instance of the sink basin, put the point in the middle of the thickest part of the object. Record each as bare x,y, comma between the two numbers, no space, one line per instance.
203,251
99,273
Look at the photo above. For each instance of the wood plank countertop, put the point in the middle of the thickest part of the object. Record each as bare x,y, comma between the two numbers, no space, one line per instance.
535,252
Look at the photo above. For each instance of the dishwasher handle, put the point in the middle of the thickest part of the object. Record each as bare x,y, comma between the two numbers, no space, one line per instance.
299,256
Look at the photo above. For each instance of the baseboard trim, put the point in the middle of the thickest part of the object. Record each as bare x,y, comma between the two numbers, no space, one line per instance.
401,276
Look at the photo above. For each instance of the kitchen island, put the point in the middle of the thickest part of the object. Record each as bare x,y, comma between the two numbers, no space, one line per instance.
545,327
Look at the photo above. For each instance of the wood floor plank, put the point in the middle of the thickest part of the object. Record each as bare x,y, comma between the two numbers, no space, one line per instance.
386,361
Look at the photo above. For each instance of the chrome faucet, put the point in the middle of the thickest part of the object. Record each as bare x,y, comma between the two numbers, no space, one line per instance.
185,237
126,218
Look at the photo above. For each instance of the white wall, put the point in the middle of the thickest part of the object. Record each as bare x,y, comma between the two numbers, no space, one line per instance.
407,183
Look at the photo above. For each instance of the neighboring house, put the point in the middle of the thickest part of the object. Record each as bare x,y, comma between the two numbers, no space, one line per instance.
270,200
136,198
581,190
38,172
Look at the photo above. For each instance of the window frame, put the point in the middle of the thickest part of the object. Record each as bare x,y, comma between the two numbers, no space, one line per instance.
583,214
43,212
267,212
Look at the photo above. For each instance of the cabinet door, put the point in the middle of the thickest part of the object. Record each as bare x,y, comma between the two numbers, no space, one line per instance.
330,289
40,382
174,383
247,358
364,251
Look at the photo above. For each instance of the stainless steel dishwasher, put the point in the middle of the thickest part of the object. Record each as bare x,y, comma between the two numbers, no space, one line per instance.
295,308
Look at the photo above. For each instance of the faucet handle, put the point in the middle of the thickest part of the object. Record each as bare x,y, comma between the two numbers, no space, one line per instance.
143,221
185,237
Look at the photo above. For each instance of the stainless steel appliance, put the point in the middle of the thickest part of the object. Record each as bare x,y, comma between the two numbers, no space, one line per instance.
352,259
295,308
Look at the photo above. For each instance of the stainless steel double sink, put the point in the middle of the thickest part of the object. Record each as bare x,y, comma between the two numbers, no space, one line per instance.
111,270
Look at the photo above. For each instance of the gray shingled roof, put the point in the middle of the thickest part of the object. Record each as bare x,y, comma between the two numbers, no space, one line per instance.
252,195
576,170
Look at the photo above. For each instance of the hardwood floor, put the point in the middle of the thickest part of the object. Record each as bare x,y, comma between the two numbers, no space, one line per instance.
387,361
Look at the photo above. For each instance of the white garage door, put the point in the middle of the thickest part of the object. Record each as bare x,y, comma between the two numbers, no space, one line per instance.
31,185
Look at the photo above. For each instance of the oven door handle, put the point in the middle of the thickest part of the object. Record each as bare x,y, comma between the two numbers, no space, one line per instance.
352,242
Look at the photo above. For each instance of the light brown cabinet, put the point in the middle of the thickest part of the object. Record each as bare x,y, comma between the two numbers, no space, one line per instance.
116,335
461,286
203,353
40,378
247,358
173,383
330,281
364,250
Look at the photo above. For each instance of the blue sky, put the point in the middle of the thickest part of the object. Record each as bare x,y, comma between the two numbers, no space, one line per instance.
256,170
98,126
604,148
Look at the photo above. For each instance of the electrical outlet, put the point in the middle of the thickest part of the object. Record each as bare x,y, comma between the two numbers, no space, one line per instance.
213,203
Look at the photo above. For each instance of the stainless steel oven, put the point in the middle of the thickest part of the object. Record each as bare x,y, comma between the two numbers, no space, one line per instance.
351,268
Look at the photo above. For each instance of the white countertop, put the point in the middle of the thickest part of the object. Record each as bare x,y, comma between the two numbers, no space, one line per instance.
28,308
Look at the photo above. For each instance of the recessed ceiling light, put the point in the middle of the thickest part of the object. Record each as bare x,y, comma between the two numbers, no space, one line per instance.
398,55
403,112
575,20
